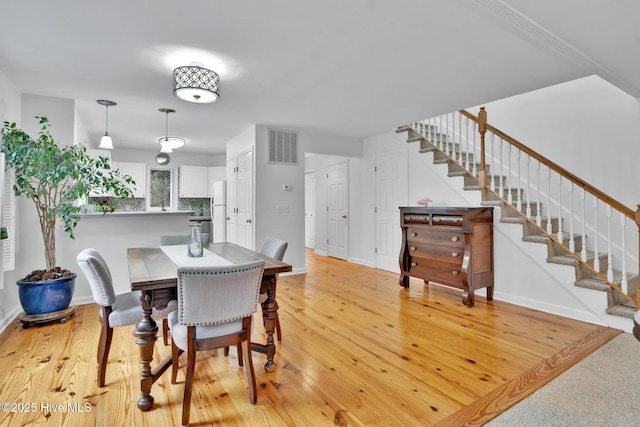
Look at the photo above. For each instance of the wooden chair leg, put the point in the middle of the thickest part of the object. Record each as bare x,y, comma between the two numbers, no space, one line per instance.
239,351
106,336
278,331
175,353
226,351
251,378
188,383
165,331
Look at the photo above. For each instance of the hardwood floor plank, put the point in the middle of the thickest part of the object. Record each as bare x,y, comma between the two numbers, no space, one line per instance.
357,350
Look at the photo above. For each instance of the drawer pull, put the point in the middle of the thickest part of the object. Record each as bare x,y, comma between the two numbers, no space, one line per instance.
414,234
454,254
413,264
412,248
454,272
455,238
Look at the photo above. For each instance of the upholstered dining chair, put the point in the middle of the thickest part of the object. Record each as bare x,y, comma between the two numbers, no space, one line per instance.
116,310
216,305
179,239
273,248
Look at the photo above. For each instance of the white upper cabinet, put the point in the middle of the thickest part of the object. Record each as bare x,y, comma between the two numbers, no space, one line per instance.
193,181
137,171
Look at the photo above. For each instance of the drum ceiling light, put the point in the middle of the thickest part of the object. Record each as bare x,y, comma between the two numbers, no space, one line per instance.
169,143
193,83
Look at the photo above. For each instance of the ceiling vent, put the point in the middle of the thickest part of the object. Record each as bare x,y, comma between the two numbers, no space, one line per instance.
283,147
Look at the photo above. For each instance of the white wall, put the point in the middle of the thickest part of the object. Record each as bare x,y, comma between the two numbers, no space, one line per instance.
10,107
587,126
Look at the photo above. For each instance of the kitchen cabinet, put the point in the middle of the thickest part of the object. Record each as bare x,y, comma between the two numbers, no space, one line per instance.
193,181
137,171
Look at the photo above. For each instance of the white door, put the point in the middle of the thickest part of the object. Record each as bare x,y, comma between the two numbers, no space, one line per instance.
391,193
245,199
337,211
232,201
310,209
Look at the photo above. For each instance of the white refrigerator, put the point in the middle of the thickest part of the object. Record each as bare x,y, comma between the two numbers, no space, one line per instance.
219,211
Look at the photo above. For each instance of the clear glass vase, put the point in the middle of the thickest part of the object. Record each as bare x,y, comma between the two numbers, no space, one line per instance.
194,244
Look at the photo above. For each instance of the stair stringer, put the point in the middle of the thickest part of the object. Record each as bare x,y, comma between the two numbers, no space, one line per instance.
559,295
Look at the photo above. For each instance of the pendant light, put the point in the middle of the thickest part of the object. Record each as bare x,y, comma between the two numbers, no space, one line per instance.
169,143
106,142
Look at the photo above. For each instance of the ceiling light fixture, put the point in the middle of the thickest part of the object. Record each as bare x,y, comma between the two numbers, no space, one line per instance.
193,83
169,143
106,142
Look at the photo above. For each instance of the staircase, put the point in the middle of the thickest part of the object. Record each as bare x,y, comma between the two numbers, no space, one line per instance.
509,188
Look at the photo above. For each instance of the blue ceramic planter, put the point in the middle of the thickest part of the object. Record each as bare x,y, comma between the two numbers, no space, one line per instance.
47,296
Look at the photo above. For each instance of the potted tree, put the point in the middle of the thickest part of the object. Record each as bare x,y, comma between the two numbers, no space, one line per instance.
55,177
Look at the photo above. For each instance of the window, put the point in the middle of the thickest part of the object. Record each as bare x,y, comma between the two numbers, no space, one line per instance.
160,189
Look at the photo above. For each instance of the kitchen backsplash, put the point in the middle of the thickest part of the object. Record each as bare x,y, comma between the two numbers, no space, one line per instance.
199,206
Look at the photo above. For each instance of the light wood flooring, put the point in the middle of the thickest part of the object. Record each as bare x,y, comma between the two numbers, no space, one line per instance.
357,350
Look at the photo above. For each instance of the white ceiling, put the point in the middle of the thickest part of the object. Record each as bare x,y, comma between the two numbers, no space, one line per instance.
356,68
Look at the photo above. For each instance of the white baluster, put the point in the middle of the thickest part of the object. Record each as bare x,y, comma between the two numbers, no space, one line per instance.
442,136
519,193
624,284
432,131
461,160
583,252
466,143
475,167
596,261
501,172
572,243
509,169
493,162
538,206
609,254
560,237
549,228
528,187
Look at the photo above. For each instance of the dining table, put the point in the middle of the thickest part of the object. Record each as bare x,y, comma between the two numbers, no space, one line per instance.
153,272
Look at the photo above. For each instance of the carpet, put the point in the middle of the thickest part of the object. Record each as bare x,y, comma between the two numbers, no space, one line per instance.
601,390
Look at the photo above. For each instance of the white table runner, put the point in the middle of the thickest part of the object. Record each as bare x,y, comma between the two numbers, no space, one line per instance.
178,254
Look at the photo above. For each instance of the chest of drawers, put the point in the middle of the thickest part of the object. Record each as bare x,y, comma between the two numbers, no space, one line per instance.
448,245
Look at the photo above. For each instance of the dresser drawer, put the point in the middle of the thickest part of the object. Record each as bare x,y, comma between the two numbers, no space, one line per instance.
428,269
431,236
438,252
447,220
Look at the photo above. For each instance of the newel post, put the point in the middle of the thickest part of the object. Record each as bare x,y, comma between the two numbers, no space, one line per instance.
482,174
637,218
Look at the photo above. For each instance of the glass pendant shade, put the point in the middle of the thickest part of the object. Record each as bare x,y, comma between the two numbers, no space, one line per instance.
169,143
106,143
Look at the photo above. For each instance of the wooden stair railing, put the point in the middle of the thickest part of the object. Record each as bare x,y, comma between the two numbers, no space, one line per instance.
495,174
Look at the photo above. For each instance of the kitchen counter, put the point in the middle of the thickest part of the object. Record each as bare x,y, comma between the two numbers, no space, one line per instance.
138,213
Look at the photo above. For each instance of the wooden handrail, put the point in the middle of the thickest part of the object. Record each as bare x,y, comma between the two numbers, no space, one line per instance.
630,213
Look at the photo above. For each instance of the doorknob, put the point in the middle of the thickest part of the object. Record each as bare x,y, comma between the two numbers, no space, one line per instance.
248,221
344,217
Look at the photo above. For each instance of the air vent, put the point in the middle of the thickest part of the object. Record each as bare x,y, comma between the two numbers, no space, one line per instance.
283,147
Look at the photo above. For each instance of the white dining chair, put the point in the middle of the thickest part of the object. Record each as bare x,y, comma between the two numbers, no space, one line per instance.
116,310
216,305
